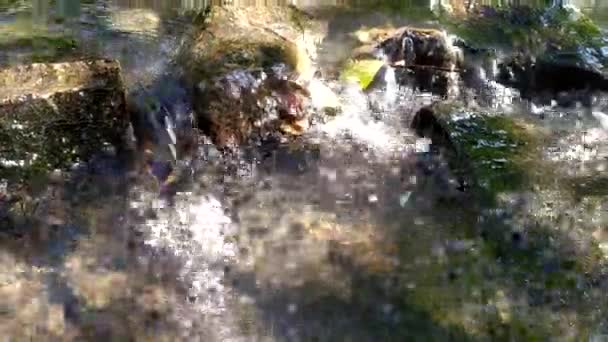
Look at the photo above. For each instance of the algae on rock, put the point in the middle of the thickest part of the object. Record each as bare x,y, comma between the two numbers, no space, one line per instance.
493,151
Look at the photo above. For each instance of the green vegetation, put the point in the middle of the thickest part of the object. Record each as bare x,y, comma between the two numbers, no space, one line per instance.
497,150
37,44
361,71
527,28
520,259
7,4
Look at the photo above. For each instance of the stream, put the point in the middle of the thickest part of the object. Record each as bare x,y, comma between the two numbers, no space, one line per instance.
358,230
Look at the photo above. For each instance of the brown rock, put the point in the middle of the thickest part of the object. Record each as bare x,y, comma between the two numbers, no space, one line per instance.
232,63
423,47
245,105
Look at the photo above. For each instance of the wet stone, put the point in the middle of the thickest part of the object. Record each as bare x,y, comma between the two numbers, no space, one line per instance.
566,77
55,115
491,151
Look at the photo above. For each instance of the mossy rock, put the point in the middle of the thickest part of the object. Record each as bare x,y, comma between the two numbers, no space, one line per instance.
495,153
223,56
55,115
230,38
523,28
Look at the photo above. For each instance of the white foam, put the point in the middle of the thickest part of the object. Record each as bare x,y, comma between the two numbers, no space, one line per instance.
195,232
356,122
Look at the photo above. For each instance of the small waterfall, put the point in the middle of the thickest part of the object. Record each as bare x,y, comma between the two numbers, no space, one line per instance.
392,88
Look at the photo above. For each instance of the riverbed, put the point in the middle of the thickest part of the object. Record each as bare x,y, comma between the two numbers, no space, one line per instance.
358,230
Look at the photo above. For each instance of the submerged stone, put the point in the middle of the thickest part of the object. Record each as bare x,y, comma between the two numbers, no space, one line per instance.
55,115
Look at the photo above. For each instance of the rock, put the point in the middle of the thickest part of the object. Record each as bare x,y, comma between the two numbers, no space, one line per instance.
19,46
233,38
552,74
489,151
55,115
247,105
251,68
499,153
427,57
525,196
421,47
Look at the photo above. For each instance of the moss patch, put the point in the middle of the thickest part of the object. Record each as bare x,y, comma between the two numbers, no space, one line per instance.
361,71
498,151
226,55
527,28
38,45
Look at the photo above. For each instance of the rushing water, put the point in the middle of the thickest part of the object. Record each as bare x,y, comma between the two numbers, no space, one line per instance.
358,231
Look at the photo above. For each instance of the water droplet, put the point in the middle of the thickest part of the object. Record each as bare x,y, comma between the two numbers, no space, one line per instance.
372,198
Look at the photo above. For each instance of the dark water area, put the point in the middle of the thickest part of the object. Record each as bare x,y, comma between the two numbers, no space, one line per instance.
359,229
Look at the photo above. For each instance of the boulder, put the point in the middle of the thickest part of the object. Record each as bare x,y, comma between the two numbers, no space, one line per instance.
230,38
497,152
55,115
489,151
553,74
421,47
244,106
427,58
251,69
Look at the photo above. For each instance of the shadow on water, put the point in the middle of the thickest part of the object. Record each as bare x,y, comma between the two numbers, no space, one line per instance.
435,268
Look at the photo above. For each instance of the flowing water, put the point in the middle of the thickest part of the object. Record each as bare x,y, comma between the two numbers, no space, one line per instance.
358,231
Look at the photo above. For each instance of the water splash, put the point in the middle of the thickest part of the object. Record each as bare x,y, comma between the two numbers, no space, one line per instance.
357,123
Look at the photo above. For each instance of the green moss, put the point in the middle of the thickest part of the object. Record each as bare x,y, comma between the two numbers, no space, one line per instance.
415,12
225,55
496,149
361,71
7,4
39,45
523,28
